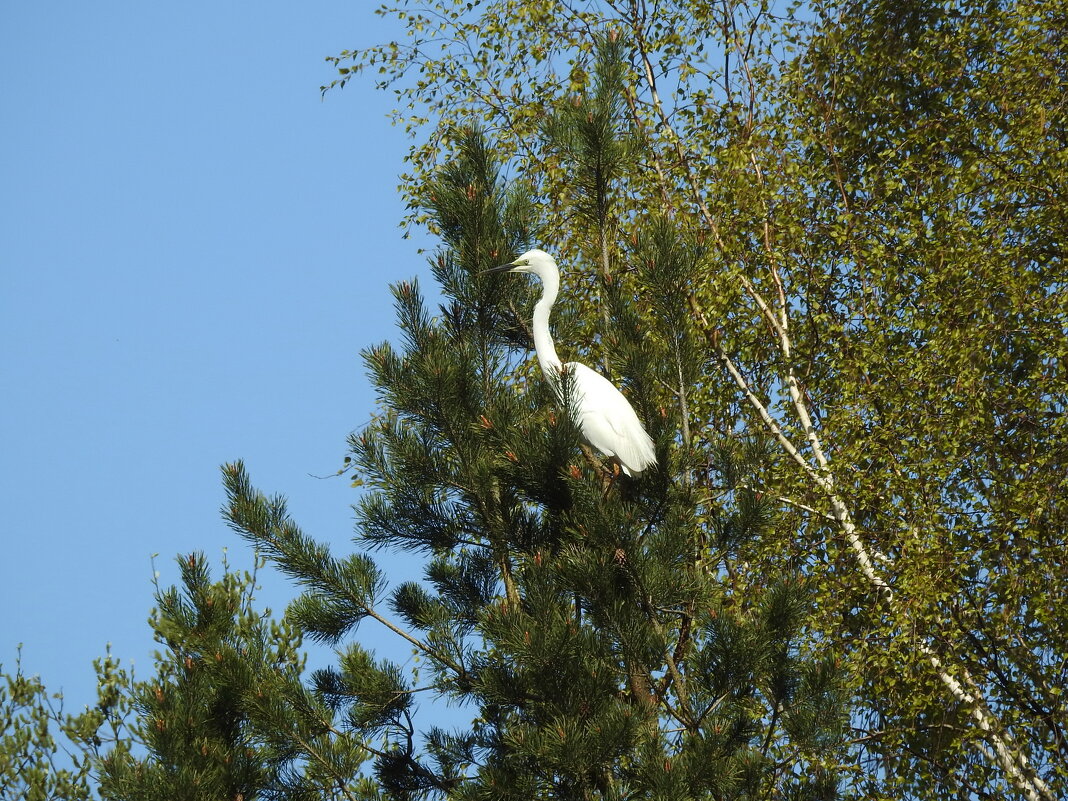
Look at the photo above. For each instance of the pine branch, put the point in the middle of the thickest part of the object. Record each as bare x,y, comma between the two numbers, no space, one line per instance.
266,523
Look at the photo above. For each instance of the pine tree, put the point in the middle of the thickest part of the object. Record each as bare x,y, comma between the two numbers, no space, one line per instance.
588,622
225,715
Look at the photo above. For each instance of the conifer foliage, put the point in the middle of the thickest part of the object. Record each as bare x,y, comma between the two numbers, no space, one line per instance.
580,618
225,715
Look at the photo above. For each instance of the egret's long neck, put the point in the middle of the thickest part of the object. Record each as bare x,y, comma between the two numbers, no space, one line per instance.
543,341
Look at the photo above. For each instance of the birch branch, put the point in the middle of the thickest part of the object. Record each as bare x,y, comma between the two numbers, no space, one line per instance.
791,502
1010,758
684,160
754,401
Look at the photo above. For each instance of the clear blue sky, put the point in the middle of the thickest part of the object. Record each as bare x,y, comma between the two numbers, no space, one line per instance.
194,247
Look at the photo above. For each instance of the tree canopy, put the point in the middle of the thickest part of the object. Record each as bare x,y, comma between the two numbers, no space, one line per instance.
820,248
868,198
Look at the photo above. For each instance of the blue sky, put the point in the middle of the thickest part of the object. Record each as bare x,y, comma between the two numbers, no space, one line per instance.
194,247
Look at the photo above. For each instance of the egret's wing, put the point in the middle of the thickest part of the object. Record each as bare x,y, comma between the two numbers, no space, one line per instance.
607,420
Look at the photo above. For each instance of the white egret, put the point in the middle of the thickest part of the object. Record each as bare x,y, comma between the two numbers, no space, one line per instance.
603,416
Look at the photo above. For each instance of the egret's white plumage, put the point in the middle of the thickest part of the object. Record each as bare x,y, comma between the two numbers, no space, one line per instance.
605,418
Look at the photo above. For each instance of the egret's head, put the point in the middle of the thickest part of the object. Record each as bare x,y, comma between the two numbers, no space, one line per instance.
534,261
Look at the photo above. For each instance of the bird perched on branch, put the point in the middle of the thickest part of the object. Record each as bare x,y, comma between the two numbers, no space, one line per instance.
604,417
